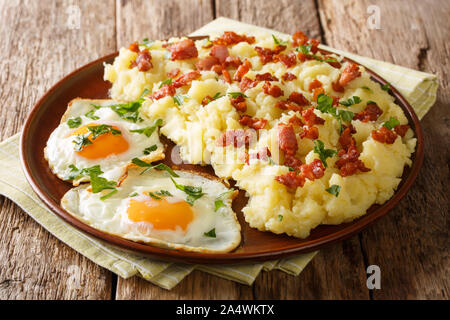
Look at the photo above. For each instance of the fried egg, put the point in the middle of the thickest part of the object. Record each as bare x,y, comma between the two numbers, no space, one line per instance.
189,212
101,133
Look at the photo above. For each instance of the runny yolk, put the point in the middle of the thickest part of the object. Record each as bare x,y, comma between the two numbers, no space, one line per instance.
162,214
103,146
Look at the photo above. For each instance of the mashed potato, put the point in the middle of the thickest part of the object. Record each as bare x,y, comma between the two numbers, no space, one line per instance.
333,195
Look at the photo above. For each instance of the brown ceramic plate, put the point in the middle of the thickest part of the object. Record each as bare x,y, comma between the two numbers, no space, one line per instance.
87,82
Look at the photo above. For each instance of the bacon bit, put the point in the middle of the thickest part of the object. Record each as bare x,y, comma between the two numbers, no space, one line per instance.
226,75
206,63
401,129
288,60
233,62
314,85
314,45
313,170
208,45
134,47
346,139
173,73
371,113
247,83
286,105
220,52
182,50
239,103
217,69
298,98
384,135
337,87
299,38
335,64
316,92
254,123
143,61
273,90
295,121
311,118
303,57
265,77
263,154
287,140
238,138
187,78
230,38
292,162
349,163
310,132
291,180
267,55
165,90
206,100
242,70
335,101
288,76
350,72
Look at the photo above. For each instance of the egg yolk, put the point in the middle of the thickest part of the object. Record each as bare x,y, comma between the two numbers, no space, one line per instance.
162,214
103,146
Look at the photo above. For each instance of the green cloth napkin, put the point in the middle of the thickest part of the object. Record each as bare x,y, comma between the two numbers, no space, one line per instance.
417,87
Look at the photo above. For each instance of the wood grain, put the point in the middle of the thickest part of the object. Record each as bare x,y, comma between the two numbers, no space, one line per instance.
37,49
411,243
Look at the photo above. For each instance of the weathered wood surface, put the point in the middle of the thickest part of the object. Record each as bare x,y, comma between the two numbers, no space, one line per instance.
410,244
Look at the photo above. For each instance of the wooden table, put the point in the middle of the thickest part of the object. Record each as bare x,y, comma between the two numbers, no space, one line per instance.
41,42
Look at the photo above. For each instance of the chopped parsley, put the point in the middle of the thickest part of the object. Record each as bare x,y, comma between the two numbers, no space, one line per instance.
130,111
193,193
148,131
386,87
81,141
334,190
150,149
323,153
219,201
234,95
74,122
306,50
167,81
211,233
280,217
99,183
146,43
102,129
159,166
279,42
179,99
391,123
371,102
351,101
76,173
159,194
367,89
91,115
106,196
134,194
325,105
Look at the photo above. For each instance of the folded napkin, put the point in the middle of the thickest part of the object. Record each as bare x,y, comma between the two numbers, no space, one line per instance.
417,87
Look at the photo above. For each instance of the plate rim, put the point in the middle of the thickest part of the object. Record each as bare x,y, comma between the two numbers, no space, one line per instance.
353,227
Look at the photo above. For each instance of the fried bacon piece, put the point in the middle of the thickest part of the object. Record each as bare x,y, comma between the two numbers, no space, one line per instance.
346,139
350,72
265,77
288,60
337,87
267,55
314,45
349,162
295,121
287,140
371,113
298,98
317,92
292,162
186,79
230,38
286,105
237,137
242,70
233,62
299,38
134,47
295,102
291,180
288,76
247,83
330,60
313,170
310,132
166,90
220,52
273,90
182,50
384,135
311,118
239,103
401,129
173,73
254,123
206,63
314,84
143,60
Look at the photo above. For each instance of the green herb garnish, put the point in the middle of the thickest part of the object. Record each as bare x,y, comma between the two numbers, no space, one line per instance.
159,194
148,166
150,149
280,217
179,99
130,111
211,233
81,141
102,129
306,50
391,123
167,81
146,43
323,153
371,102
106,196
76,173
386,87
234,95
148,131
193,193
351,101
279,42
219,201
99,183
134,194
334,190
325,105
74,122
367,89
91,115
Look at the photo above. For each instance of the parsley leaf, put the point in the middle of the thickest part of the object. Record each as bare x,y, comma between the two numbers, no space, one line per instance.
325,105
351,101
211,233
179,99
130,111
159,166
134,194
306,50
371,102
99,183
167,81
76,173
91,115
219,201
150,149
106,196
154,196
279,42
391,123
148,131
234,95
193,193
280,217
159,194
74,122
81,141
366,88
386,87
102,129
334,190
323,153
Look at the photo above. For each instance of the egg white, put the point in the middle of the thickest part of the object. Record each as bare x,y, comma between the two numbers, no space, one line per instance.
60,152
110,215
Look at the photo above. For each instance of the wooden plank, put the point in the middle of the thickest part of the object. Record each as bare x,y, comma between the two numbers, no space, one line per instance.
38,47
411,244
155,19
